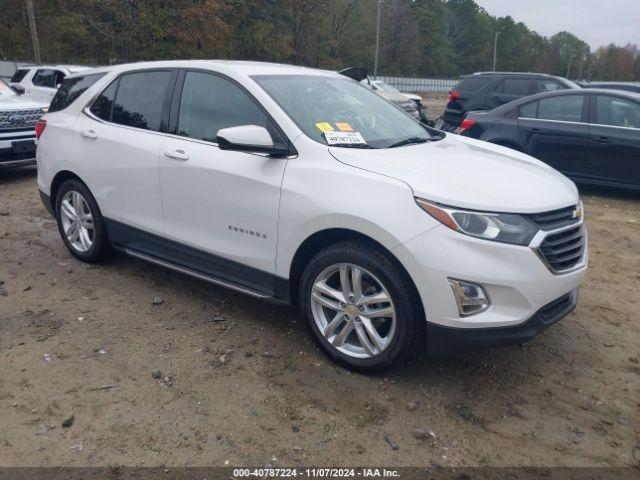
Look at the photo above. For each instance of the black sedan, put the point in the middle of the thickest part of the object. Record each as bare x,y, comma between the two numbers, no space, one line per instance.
590,135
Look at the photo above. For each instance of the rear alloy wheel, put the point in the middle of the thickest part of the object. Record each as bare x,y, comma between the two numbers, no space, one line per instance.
77,221
361,306
80,222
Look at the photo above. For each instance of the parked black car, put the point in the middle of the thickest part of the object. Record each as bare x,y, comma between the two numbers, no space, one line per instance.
590,135
488,90
626,86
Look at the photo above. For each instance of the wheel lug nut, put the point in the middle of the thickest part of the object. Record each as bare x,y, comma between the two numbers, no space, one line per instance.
343,305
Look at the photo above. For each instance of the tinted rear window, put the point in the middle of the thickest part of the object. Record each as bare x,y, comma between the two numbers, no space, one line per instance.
103,105
19,75
514,86
471,84
71,89
139,99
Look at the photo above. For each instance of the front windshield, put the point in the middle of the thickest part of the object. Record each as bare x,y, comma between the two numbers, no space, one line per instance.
5,90
320,105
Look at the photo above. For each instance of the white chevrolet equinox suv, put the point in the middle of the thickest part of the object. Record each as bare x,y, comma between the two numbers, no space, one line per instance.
301,186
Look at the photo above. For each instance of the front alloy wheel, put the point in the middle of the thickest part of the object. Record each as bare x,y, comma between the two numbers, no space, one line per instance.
361,306
353,310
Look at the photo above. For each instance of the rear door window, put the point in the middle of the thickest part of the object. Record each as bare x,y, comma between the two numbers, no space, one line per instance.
139,99
71,89
19,75
514,86
567,108
471,84
617,112
548,85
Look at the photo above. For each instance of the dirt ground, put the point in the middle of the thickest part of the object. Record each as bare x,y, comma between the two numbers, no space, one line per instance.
435,103
202,375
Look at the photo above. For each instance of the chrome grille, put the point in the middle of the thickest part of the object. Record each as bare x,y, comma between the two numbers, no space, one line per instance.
555,218
564,250
20,119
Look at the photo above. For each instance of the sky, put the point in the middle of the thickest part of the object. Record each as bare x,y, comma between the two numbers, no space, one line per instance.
597,22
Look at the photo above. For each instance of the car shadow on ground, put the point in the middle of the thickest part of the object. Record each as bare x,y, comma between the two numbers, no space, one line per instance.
289,330
16,174
609,192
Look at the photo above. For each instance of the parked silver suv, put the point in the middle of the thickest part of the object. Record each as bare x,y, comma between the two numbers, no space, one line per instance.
18,118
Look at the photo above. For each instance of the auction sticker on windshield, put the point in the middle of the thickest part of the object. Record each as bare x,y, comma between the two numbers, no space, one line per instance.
341,138
344,127
324,126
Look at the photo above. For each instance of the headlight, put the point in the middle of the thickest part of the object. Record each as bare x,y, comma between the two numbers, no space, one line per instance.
499,227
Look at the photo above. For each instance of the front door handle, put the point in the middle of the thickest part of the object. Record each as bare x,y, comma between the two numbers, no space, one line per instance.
89,134
177,155
534,131
601,139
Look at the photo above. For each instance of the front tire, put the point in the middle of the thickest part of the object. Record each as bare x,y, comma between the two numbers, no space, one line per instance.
80,222
361,306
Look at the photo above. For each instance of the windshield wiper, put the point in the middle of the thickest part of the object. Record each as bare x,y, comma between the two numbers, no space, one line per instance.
352,145
409,141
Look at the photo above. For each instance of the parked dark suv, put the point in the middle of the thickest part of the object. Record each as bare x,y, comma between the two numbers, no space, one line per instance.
626,86
488,90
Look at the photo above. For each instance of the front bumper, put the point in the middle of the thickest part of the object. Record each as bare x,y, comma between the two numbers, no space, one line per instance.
516,280
9,158
443,341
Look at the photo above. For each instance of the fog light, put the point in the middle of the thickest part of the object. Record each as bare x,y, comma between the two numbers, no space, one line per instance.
471,299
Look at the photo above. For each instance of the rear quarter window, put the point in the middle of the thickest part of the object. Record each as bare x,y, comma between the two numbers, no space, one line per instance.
19,75
529,110
471,84
71,89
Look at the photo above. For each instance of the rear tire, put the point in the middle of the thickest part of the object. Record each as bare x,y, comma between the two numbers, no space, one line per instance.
80,222
349,326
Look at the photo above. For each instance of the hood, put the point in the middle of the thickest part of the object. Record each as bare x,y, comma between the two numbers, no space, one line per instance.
393,97
468,173
18,102
412,96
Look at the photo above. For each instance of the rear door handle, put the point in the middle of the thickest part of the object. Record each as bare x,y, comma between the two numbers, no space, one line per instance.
89,134
534,131
177,155
601,139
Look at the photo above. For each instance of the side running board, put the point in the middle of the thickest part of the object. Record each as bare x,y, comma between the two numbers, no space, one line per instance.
198,275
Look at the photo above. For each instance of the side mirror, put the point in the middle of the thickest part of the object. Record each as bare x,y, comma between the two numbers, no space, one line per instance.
19,89
249,138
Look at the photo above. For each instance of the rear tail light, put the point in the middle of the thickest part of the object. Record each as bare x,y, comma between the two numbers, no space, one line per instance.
466,124
453,96
40,126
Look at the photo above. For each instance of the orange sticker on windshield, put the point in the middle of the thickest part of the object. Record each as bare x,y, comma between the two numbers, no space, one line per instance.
344,127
